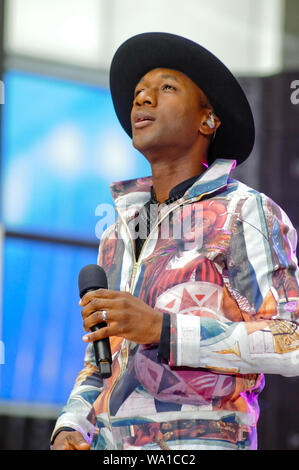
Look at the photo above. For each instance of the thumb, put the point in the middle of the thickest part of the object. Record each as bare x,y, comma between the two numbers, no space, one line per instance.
79,442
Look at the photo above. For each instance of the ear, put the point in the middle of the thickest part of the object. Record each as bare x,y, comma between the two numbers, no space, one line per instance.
209,123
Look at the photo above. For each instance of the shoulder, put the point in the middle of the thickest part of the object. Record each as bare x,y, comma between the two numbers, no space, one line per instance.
250,196
258,209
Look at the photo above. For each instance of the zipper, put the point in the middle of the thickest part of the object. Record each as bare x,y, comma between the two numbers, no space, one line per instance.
133,277
135,267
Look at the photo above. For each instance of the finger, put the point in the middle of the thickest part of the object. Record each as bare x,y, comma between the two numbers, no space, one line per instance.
102,333
98,304
95,318
69,444
82,445
77,442
62,445
61,441
98,293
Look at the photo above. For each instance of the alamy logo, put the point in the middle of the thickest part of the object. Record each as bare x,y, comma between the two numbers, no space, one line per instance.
295,93
2,92
1,352
186,224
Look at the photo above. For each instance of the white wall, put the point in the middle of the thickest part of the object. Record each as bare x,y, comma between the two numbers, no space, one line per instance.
67,31
245,34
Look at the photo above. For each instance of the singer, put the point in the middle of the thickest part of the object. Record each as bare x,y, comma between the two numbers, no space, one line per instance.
203,295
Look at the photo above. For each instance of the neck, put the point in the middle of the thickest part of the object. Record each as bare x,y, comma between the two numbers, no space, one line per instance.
172,164
167,174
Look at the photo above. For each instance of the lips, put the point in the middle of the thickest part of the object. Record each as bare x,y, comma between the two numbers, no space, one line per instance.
142,119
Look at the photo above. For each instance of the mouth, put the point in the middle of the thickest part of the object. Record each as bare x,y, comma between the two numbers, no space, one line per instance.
142,119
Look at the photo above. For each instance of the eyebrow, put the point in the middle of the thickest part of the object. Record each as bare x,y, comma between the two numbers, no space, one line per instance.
163,75
173,77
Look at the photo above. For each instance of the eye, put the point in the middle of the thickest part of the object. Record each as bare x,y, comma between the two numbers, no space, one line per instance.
167,86
137,92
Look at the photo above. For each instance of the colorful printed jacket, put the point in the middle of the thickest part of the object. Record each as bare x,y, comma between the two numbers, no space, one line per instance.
233,299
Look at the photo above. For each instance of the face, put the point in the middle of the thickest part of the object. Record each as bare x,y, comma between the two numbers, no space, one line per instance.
167,111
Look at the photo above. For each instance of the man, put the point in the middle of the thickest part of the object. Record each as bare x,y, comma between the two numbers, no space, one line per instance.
196,317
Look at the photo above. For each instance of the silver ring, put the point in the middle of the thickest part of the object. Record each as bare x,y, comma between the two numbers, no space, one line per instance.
104,315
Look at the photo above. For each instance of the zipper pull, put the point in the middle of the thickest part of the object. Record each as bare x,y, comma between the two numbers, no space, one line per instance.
135,266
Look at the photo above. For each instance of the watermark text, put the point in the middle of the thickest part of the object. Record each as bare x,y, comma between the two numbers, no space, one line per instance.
2,358
295,94
2,92
184,225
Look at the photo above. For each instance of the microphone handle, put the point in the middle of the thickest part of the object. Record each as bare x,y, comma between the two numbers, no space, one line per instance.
102,353
101,347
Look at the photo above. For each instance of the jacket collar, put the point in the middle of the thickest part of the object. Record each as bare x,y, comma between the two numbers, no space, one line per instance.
137,192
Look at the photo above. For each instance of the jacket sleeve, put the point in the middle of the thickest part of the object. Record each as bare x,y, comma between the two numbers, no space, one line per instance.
87,388
261,276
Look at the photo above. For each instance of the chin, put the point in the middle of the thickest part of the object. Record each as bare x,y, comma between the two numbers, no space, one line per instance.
146,139
141,144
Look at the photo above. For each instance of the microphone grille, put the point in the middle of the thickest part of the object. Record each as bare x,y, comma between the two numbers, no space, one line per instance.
91,277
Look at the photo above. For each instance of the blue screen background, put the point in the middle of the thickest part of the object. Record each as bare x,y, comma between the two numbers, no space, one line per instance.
62,146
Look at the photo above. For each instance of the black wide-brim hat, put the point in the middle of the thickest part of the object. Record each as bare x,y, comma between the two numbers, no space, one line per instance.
138,55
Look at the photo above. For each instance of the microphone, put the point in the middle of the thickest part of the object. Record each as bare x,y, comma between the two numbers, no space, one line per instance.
93,277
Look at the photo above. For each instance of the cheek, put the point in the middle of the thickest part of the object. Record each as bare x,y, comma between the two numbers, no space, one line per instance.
184,125
184,115
176,119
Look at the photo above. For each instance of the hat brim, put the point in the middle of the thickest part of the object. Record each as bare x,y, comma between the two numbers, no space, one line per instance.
144,52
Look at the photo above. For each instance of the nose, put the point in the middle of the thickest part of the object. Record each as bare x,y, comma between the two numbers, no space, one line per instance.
146,97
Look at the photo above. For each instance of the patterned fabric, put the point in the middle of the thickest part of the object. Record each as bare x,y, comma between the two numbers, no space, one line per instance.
229,282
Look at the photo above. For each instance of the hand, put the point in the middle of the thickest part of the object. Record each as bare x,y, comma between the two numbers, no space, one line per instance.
127,317
70,440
